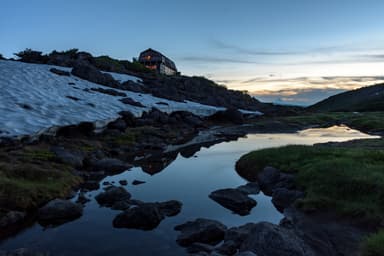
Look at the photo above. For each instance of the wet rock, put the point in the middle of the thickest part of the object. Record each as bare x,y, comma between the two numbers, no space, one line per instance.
60,72
112,195
110,165
11,218
267,179
146,216
269,239
90,185
282,197
233,200
122,205
251,188
58,210
200,231
137,182
123,182
73,158
170,208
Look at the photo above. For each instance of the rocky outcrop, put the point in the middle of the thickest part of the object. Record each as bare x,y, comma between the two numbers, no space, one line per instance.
59,211
230,115
233,200
146,216
283,197
92,74
200,231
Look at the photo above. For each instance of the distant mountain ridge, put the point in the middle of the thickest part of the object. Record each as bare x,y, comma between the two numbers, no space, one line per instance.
370,98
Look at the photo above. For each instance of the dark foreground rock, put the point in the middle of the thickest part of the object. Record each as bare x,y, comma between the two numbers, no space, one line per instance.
230,115
59,211
267,179
282,197
146,216
200,231
73,158
23,252
234,200
12,218
112,195
268,239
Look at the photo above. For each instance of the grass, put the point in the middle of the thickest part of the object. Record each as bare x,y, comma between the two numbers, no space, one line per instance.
373,245
347,180
30,177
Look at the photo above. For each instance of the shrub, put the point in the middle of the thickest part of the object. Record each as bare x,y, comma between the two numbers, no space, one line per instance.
31,56
373,245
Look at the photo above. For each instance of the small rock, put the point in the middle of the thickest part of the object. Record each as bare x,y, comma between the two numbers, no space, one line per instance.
233,200
200,231
123,182
60,72
137,182
59,210
132,102
106,183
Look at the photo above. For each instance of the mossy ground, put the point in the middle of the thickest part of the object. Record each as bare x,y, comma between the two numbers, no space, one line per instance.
373,245
29,177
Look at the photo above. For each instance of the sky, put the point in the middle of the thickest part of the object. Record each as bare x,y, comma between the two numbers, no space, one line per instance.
287,51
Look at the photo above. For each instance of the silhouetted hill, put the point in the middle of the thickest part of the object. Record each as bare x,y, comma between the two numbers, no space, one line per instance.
370,98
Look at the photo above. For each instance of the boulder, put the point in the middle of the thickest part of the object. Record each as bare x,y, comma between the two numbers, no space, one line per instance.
58,210
66,156
60,72
170,208
251,188
267,179
112,195
11,218
233,200
268,239
118,124
200,231
230,115
146,216
92,74
128,117
282,197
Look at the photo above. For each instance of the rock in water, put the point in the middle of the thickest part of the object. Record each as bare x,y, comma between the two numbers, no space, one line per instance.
234,200
112,195
200,231
146,216
58,210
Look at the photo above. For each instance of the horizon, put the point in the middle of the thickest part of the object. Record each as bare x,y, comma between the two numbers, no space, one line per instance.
296,52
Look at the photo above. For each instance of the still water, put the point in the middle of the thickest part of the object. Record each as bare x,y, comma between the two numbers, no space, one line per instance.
189,180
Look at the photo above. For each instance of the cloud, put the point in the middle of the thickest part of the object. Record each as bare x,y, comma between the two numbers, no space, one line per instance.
218,60
242,50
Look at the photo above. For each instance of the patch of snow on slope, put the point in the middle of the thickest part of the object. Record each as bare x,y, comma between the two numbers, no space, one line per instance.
34,99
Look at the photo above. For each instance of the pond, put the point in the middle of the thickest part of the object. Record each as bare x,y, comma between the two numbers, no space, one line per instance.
189,180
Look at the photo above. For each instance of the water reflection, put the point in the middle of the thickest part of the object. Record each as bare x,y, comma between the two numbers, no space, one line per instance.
178,177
